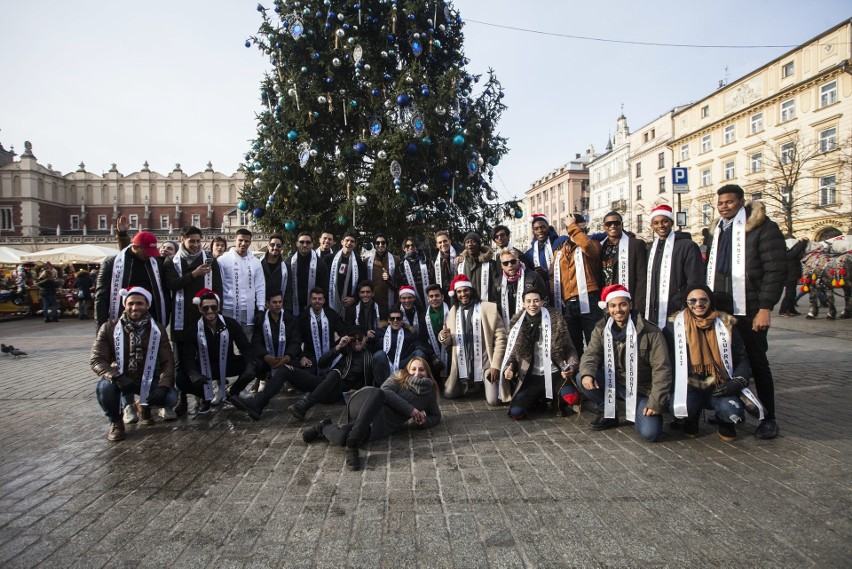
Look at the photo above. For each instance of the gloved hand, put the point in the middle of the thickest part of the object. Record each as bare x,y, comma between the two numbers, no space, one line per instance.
157,398
731,387
124,384
199,381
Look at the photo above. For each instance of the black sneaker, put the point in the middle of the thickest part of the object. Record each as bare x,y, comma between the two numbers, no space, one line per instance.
314,433
768,429
690,428
601,423
727,431
203,408
353,458
298,409
246,406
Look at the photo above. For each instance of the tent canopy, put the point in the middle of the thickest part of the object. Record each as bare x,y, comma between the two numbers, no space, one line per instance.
10,256
72,254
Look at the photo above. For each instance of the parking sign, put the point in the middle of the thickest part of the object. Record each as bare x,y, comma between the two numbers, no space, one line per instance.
680,183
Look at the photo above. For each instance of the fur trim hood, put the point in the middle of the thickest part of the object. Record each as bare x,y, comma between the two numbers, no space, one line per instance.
486,254
755,216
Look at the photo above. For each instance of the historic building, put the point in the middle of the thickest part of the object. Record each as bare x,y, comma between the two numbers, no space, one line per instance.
562,191
609,179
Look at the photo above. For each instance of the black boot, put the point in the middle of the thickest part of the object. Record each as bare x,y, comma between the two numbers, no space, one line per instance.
601,423
248,406
300,407
314,433
353,456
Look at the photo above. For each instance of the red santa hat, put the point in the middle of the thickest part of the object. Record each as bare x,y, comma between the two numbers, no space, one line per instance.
612,291
662,209
405,289
539,217
202,292
125,292
461,281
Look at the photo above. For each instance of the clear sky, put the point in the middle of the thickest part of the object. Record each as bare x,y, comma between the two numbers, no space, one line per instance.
169,81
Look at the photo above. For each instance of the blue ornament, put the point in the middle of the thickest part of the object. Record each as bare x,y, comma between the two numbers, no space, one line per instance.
329,80
353,103
458,140
242,205
258,212
411,148
292,135
360,147
446,175
277,9
519,213
375,92
425,92
411,17
260,8
341,220
290,225
426,140
416,47
248,43
403,100
391,37
494,160
357,6
316,56
436,43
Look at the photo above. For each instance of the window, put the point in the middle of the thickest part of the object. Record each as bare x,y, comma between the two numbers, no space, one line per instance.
134,221
756,123
755,196
756,162
662,184
102,222
243,216
729,170
788,110
638,220
600,200
788,69
638,169
788,152
684,152
164,222
730,133
828,139
639,191
705,144
661,160
828,94
706,214
705,111
706,178
6,219
75,223
196,219
828,190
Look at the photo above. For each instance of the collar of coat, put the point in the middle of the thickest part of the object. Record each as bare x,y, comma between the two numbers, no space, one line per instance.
485,254
755,216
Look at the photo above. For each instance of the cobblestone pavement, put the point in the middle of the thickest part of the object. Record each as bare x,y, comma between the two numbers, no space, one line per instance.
479,490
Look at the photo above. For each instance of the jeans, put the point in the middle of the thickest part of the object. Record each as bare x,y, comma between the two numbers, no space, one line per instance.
50,306
728,409
649,427
580,326
110,397
532,392
382,365
83,308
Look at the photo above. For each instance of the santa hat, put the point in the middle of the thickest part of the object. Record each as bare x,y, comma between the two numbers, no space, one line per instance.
662,209
202,292
125,292
613,291
461,281
539,217
405,289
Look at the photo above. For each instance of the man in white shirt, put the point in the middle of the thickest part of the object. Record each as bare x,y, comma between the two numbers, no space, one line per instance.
243,283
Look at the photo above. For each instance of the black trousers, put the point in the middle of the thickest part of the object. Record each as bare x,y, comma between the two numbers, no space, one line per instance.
364,407
756,345
235,367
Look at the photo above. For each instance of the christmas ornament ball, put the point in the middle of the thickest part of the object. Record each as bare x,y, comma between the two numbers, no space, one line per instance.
258,212
458,140
242,205
292,135
360,147
290,225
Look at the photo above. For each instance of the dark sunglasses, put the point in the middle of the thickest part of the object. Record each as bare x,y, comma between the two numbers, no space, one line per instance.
510,262
394,318
305,242
275,245
408,246
206,309
381,242
357,338
500,235
614,223
694,301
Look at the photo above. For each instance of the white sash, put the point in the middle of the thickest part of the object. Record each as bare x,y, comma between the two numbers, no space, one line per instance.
334,298
284,275
437,346
545,351
358,312
477,344
438,276
320,347
204,358
267,336
115,286
484,279
753,398
623,261
548,254
424,277
723,339
415,324
665,280
371,259
557,281
150,357
386,346
738,275
519,295
582,289
631,357
244,287
180,296
312,279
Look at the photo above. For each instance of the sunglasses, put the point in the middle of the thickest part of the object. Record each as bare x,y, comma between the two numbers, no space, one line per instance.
207,309
510,262
694,301
500,235
408,246
614,223
394,318
381,242
275,245
305,242
357,338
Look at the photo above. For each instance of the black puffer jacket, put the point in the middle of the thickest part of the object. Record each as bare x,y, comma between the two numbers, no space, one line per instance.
766,264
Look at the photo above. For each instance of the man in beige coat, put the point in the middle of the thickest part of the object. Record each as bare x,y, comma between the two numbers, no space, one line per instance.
476,333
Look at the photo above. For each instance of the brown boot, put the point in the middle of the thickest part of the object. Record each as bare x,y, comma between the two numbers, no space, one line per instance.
116,432
144,414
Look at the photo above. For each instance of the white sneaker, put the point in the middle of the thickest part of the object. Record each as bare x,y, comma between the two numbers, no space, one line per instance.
130,414
262,385
217,399
167,414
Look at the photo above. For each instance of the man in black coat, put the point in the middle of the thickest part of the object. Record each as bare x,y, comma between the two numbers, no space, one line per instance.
746,268
794,273
618,246
318,326
514,279
307,271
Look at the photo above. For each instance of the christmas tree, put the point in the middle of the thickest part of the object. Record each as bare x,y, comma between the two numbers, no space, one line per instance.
370,121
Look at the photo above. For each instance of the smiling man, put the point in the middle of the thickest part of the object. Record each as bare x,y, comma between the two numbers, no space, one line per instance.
623,259
275,272
243,285
345,270
307,272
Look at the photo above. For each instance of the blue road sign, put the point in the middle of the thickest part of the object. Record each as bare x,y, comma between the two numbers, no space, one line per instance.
679,176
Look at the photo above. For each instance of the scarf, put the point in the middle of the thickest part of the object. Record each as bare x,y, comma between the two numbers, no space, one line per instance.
418,385
136,331
702,347
439,348
623,261
476,342
738,275
548,254
413,322
438,274
367,324
204,356
664,280
351,276
241,302
631,357
180,295
386,346
424,275
546,334
371,259
312,278
484,277
504,294
117,283
321,345
276,352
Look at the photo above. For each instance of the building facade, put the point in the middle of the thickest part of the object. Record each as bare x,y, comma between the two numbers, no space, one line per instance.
609,179
562,191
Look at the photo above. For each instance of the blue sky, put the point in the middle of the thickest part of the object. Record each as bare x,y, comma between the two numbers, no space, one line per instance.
169,81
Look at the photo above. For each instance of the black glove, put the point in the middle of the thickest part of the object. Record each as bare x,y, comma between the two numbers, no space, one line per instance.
124,384
157,398
199,381
731,387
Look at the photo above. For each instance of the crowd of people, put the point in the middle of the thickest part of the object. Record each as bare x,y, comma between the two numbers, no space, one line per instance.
571,317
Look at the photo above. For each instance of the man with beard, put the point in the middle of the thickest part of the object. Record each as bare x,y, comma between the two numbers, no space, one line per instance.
623,259
514,280
318,326
307,272
475,332
186,273
366,312
243,286
344,273
445,261
412,271
380,267
412,313
132,356
477,263
275,271
627,357
396,344
545,242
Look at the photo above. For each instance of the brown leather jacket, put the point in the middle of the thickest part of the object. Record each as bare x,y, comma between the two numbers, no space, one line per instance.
103,355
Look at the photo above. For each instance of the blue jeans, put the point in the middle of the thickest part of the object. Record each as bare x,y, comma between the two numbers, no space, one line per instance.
382,365
110,398
49,305
728,409
649,427
580,326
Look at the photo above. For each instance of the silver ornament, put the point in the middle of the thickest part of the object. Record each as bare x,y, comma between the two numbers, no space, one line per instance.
321,99
336,62
340,33
361,200
257,182
341,176
382,154
313,152
291,92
